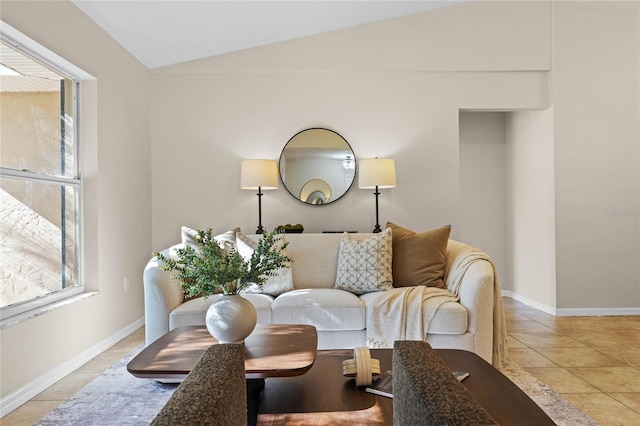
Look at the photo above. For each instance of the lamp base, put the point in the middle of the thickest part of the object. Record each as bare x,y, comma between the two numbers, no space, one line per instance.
377,227
260,228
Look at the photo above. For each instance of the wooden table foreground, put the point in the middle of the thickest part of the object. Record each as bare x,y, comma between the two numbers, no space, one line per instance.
323,396
272,350
306,387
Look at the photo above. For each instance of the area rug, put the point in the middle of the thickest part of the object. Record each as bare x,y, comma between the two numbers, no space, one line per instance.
118,398
561,411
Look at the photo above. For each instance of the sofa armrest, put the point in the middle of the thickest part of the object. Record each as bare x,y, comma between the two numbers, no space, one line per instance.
162,294
476,292
476,296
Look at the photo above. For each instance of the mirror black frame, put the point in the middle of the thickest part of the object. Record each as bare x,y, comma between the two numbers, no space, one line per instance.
347,154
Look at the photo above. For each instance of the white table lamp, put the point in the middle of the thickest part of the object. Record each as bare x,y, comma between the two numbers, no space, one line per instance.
259,175
378,173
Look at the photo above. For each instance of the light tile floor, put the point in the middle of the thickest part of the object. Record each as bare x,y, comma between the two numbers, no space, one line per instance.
594,362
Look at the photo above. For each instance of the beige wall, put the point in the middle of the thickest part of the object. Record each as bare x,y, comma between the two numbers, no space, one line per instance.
395,89
204,125
483,180
596,65
384,87
507,198
530,211
117,196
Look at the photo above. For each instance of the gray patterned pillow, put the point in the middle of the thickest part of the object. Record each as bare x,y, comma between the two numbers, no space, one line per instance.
365,266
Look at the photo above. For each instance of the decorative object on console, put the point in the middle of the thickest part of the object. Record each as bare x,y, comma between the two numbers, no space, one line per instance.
378,173
211,265
259,175
290,229
317,166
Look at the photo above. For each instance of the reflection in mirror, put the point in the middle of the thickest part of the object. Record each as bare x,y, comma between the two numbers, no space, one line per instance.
317,166
316,191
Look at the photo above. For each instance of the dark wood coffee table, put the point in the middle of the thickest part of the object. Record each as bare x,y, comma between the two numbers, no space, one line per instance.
324,396
271,350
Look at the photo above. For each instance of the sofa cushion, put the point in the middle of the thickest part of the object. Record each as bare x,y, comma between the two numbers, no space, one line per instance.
365,265
418,258
315,259
275,284
450,318
325,308
194,311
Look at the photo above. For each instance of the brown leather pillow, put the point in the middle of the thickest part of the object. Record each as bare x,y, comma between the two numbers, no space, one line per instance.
418,258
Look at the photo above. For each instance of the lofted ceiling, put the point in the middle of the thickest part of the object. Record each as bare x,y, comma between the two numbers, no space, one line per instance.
166,32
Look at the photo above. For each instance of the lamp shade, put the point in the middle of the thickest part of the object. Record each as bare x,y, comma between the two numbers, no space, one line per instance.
380,172
259,173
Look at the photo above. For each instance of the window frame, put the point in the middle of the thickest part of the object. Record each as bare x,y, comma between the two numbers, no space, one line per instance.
39,53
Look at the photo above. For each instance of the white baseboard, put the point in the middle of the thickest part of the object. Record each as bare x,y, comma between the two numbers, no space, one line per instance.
31,389
597,312
571,312
530,302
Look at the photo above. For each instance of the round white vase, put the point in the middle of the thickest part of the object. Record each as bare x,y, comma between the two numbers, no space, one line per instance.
231,318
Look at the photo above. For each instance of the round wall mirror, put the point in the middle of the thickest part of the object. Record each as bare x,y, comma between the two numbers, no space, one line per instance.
317,166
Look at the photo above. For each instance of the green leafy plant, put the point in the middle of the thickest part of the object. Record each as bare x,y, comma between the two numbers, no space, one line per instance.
212,269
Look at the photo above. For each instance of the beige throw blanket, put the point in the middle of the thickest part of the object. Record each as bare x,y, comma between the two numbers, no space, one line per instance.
459,258
402,314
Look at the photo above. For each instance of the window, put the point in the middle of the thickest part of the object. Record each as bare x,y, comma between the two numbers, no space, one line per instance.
40,186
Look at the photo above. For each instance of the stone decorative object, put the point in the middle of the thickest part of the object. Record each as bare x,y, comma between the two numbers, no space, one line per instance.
231,319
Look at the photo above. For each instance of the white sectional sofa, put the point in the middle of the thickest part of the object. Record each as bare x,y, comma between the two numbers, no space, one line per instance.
464,321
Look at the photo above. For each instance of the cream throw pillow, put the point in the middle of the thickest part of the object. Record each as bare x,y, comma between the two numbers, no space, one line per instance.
280,282
418,258
226,240
365,266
